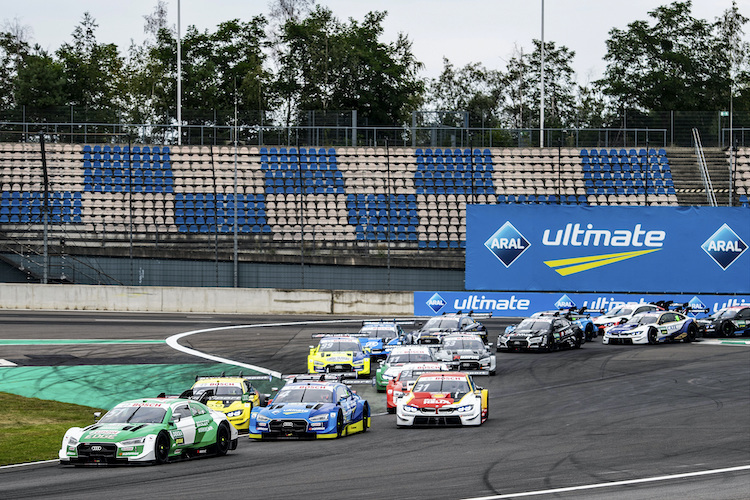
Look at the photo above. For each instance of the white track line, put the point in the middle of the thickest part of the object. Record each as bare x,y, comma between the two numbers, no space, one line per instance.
614,483
28,463
174,344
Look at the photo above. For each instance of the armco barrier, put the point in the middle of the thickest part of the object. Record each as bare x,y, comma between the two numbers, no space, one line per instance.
203,300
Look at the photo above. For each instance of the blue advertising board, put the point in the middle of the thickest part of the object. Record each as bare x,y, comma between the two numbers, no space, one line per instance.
521,303
685,250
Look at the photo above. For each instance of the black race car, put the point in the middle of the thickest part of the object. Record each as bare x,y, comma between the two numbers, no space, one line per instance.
545,333
436,328
726,322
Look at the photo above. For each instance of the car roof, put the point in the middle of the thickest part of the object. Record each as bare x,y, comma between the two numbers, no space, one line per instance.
219,380
400,349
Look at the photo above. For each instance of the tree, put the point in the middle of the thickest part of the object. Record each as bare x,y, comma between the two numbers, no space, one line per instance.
330,65
737,53
40,83
14,46
522,87
671,63
93,71
473,89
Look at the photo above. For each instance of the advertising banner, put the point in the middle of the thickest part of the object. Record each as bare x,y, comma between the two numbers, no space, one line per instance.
683,250
515,304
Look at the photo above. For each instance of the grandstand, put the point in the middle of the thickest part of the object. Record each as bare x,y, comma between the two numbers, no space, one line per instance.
360,200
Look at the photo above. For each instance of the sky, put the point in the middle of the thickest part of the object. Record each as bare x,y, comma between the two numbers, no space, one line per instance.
464,31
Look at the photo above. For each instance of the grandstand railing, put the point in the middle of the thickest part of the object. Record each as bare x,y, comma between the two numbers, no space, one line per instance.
337,135
710,194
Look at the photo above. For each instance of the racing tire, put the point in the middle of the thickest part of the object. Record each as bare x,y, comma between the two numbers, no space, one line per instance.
652,336
590,334
161,448
727,329
551,344
223,440
692,333
339,424
365,417
578,341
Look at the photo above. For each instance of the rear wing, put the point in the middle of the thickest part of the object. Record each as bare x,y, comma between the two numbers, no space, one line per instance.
344,378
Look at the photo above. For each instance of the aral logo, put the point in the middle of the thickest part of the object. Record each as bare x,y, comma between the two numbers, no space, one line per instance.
436,302
696,305
565,302
724,246
507,244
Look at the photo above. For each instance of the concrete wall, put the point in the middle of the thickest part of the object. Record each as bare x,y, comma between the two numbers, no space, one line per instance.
203,299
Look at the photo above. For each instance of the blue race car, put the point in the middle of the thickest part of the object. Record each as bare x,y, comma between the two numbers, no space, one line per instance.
311,409
379,337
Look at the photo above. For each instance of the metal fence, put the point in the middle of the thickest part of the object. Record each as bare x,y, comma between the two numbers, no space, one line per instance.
657,129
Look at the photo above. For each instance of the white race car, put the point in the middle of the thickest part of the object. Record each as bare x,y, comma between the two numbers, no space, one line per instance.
653,327
621,314
443,399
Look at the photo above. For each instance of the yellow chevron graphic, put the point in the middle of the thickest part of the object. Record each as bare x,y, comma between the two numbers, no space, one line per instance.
578,264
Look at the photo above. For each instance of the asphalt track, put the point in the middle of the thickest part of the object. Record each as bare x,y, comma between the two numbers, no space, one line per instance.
614,422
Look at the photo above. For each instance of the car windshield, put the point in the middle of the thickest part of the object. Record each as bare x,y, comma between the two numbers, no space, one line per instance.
619,311
340,346
456,387
409,357
450,344
643,319
378,332
441,323
727,313
303,394
534,325
134,414
219,390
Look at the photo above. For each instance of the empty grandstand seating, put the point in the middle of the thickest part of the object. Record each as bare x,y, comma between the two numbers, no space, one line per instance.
411,197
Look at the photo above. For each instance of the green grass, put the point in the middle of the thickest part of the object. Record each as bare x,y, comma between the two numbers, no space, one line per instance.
32,429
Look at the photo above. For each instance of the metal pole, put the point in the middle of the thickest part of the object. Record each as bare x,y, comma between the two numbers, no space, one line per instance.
388,205
541,89
179,78
235,252
45,263
216,225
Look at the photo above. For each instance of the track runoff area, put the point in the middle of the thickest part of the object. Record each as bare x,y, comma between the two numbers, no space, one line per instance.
194,343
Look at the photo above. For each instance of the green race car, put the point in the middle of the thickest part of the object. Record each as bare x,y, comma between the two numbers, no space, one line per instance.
150,430
399,356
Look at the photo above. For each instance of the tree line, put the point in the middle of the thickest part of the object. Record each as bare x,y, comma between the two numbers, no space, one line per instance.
301,58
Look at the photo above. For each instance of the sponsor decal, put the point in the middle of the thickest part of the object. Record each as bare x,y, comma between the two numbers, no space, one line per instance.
724,246
565,302
566,267
436,302
437,402
478,303
102,434
507,244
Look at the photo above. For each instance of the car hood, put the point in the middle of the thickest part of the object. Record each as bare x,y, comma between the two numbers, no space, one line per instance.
528,333
431,399
464,354
626,329
103,433
283,410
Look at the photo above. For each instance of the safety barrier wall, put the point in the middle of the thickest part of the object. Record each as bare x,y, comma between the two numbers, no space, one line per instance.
203,300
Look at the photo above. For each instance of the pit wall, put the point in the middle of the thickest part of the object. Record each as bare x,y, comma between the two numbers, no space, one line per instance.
203,300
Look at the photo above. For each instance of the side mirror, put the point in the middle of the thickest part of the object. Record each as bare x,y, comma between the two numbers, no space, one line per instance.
97,416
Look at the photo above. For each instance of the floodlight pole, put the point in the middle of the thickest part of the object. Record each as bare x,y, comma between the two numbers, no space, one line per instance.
179,79
541,89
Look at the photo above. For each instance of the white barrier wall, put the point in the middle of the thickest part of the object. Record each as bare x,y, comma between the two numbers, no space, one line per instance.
204,300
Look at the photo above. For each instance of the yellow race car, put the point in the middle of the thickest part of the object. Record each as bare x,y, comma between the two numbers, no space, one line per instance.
338,354
234,396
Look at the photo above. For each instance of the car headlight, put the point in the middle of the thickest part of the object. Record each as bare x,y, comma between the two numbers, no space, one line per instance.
235,413
410,409
319,418
317,363
262,418
465,408
133,442
72,441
